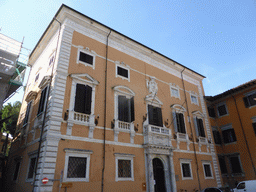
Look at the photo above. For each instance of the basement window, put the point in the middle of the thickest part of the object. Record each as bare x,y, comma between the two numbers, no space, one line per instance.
123,72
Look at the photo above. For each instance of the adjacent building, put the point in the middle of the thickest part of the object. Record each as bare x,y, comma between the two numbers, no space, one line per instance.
233,121
104,112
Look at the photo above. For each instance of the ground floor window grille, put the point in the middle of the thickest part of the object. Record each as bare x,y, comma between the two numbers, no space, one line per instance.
76,167
124,168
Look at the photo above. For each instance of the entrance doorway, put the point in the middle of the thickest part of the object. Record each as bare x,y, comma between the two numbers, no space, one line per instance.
158,169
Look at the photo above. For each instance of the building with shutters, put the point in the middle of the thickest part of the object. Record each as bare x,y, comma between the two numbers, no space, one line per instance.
103,112
233,121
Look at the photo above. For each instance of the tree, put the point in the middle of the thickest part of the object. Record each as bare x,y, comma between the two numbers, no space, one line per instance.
9,117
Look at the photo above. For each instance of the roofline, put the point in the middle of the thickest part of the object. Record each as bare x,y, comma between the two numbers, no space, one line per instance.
63,5
231,91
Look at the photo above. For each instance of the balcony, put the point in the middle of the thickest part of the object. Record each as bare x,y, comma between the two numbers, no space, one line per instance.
156,135
81,118
121,126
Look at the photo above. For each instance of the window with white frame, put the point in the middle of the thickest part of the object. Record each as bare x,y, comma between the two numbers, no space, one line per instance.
82,99
207,170
37,77
186,170
31,167
124,107
250,99
51,59
26,119
193,98
228,134
124,167
77,165
84,56
123,71
178,118
174,90
222,109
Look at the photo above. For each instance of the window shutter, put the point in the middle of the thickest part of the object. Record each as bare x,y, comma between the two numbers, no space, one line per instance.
121,107
182,123
80,98
201,127
150,115
88,99
174,121
196,126
42,101
132,109
246,102
159,117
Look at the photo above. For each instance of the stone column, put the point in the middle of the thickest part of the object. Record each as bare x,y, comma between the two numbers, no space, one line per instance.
151,184
172,173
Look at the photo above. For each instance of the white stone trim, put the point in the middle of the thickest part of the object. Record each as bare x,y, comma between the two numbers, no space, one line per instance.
186,161
123,156
88,52
77,153
207,163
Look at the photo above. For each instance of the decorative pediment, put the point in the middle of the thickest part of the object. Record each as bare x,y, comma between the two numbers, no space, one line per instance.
85,78
198,114
178,108
45,81
124,90
30,96
152,99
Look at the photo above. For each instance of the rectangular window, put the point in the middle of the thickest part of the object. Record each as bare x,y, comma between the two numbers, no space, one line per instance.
124,167
194,99
222,110
42,101
125,109
16,170
229,135
223,166
155,116
76,167
83,99
207,170
254,127
37,77
175,92
180,123
211,112
77,163
217,137
236,167
186,170
27,113
85,58
122,72
31,169
235,164
51,60
250,100
200,127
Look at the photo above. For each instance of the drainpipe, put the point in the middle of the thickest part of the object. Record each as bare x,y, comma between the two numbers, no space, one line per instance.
247,145
197,167
45,111
105,117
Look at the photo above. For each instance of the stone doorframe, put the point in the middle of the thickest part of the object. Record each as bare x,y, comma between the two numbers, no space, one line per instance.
165,154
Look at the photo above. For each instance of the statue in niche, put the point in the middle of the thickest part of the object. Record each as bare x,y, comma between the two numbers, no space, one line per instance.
152,86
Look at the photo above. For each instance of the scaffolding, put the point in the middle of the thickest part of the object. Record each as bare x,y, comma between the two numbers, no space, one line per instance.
13,64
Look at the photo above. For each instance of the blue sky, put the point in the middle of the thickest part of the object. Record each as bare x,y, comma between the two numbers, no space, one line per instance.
214,38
